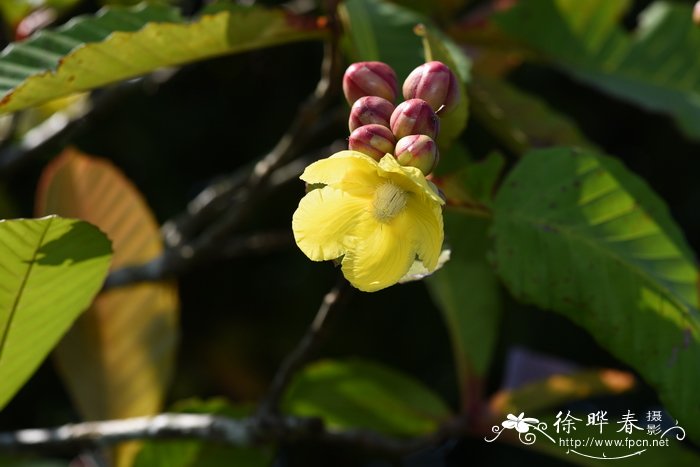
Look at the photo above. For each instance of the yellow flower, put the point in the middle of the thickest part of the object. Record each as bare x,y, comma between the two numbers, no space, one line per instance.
379,216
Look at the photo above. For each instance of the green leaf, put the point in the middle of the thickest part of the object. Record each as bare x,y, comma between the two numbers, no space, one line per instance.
121,43
577,233
50,270
362,394
439,47
467,292
651,67
186,453
521,121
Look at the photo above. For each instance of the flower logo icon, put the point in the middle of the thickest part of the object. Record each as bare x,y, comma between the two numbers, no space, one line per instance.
520,423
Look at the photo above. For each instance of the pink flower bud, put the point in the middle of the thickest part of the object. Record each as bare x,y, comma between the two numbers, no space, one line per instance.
370,109
373,140
414,117
369,79
418,151
436,84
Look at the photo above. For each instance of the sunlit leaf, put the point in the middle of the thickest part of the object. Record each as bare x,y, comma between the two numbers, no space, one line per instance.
653,67
50,270
118,357
121,43
578,233
362,394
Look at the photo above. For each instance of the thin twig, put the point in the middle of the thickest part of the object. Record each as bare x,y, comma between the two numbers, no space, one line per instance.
332,302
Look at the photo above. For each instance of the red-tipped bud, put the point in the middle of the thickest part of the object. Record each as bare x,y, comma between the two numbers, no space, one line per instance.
436,84
418,151
370,109
373,140
369,79
414,117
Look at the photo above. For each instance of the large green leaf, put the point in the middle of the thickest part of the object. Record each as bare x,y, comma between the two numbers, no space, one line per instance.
50,270
192,453
655,67
362,394
121,43
577,233
467,292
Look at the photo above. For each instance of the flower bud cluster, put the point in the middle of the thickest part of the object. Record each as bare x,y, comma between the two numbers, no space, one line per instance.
409,130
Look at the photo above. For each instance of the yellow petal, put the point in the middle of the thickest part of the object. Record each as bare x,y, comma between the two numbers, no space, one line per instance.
350,171
409,178
323,220
379,257
421,224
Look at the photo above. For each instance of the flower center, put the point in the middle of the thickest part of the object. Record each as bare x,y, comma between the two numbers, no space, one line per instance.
389,201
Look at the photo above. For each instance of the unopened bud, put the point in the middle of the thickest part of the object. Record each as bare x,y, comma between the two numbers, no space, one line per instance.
436,84
369,79
418,151
370,109
696,13
373,140
414,117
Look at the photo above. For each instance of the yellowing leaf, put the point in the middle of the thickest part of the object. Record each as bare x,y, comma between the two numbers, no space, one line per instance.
122,43
117,359
558,390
